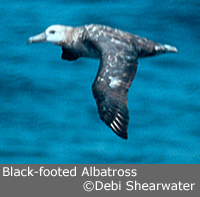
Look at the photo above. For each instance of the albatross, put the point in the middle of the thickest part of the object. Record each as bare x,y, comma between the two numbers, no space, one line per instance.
118,52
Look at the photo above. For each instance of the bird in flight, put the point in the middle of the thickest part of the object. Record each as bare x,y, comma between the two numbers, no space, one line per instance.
118,52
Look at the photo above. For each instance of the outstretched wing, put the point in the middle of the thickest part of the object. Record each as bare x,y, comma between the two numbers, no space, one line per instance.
115,75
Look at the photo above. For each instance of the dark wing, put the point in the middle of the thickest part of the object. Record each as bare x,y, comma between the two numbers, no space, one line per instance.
115,75
68,55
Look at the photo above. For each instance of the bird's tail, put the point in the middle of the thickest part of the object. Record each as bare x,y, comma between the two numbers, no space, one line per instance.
165,49
170,49
147,48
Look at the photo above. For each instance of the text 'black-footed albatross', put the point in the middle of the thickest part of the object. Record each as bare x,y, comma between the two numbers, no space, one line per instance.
118,52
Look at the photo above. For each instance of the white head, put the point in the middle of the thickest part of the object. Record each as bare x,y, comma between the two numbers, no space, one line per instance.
55,34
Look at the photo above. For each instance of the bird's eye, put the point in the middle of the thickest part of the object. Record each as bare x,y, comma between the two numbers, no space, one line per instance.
52,32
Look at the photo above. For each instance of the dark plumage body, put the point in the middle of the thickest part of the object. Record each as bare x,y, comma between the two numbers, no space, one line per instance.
118,52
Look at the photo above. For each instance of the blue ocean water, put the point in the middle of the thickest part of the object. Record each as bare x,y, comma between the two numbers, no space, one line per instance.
47,111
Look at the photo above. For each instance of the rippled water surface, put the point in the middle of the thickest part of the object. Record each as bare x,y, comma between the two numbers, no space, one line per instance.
47,111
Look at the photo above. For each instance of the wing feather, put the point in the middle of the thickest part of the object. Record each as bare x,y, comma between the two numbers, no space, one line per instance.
115,75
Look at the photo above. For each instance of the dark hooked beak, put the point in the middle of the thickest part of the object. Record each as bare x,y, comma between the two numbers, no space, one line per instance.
37,38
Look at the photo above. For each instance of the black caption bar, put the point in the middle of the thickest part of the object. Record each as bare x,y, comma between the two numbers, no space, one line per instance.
84,180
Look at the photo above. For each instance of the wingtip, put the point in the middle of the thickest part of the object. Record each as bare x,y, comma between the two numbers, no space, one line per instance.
125,137
122,136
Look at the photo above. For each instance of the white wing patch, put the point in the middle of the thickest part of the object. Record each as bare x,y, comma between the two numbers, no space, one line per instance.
116,41
114,82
